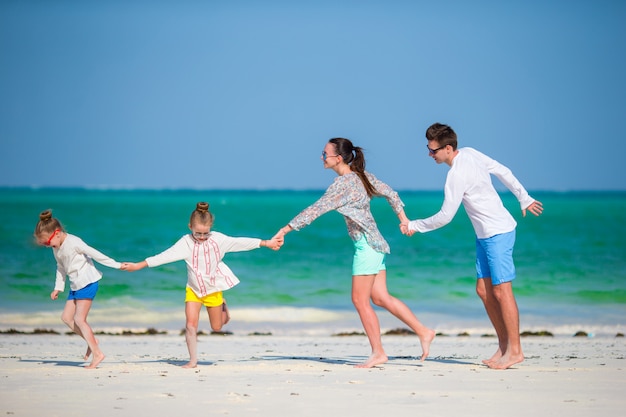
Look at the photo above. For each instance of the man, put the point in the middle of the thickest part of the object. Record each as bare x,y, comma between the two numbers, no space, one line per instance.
469,182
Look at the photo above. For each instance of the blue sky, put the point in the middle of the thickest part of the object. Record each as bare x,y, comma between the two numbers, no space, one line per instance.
244,94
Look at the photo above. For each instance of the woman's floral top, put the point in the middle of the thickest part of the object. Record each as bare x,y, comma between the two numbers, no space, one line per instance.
347,195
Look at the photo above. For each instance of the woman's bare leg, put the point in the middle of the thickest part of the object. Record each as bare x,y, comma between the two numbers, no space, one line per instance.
361,294
382,298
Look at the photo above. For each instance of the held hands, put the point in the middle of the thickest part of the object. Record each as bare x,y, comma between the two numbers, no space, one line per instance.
274,243
404,228
404,224
279,237
131,266
535,208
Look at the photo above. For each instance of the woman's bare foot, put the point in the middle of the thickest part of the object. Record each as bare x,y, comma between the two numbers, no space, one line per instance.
97,358
425,341
374,359
190,364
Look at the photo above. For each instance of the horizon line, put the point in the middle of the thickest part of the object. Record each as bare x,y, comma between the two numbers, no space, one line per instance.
262,189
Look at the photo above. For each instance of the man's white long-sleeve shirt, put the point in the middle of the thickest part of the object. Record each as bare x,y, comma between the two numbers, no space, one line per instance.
469,183
206,273
75,260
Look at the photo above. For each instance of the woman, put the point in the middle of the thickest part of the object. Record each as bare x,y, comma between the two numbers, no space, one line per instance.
350,195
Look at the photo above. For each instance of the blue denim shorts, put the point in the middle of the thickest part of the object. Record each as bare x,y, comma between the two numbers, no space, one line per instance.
494,258
85,293
366,260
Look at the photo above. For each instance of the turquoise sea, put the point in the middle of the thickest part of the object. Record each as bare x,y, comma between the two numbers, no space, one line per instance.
571,262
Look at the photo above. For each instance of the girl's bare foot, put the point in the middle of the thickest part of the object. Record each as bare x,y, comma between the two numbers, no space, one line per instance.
97,358
88,353
374,359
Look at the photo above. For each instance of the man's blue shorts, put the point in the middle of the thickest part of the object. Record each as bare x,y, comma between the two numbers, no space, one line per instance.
366,260
85,293
494,258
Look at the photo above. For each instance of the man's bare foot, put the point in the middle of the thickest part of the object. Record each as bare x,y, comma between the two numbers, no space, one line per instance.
190,364
225,313
374,359
425,341
496,357
506,361
97,358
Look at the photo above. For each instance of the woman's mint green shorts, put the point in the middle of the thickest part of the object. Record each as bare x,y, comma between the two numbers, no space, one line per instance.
366,260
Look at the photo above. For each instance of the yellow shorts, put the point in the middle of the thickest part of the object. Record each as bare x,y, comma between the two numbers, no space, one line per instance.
215,299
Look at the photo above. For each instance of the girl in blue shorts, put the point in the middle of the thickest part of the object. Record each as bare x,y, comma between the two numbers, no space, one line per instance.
75,261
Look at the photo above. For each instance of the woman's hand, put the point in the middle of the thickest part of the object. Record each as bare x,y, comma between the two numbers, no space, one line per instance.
404,228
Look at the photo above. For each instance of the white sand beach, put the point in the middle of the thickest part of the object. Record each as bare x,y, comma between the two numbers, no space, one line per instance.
243,375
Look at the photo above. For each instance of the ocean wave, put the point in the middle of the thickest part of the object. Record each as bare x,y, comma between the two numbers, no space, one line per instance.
279,320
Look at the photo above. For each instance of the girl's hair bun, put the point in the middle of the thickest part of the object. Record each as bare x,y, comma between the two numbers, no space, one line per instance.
45,215
202,207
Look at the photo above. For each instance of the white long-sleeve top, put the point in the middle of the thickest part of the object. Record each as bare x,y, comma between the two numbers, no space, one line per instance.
206,273
75,260
469,182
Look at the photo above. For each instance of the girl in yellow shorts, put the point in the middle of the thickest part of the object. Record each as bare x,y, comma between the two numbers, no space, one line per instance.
207,276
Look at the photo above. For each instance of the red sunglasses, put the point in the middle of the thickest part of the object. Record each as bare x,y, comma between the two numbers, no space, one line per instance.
47,243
